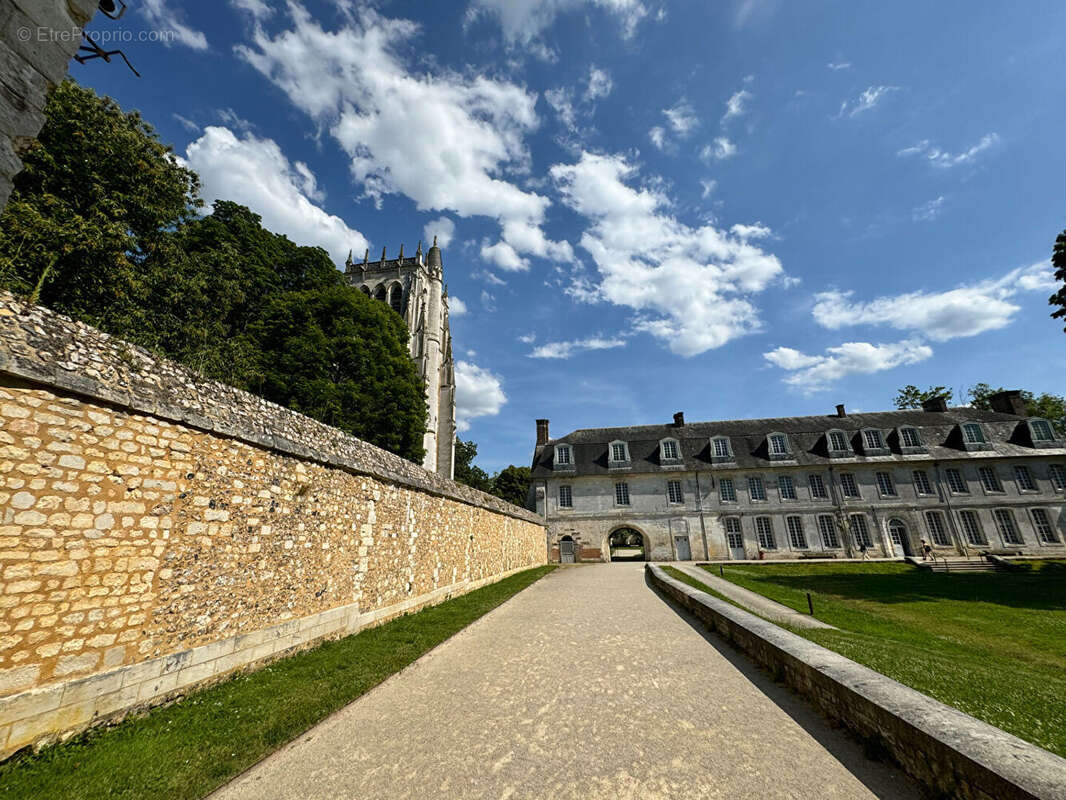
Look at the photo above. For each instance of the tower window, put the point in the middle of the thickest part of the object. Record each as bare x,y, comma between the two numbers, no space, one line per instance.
566,497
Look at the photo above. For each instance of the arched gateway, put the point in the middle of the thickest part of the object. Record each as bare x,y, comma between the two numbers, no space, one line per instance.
627,544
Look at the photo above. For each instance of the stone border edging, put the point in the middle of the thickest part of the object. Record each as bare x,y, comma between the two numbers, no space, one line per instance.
47,348
941,747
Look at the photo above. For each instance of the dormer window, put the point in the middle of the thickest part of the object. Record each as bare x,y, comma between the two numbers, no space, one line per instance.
1042,433
873,442
778,447
564,456
838,443
618,454
973,437
669,450
909,437
721,451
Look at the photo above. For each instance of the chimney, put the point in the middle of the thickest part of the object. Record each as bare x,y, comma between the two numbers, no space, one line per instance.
542,432
679,418
935,404
840,410
1010,402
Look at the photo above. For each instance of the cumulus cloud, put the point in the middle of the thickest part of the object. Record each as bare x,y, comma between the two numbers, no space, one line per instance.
929,211
478,393
255,173
568,349
443,228
523,20
945,160
456,307
682,118
658,137
812,373
447,140
562,101
690,287
161,15
866,100
940,316
737,105
707,187
719,150
600,84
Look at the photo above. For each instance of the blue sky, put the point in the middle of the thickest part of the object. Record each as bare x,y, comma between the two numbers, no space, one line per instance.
735,209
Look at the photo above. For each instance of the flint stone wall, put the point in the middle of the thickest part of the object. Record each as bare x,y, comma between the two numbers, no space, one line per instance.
158,531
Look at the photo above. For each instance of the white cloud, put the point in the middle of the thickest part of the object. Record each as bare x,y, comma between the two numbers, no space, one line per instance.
456,307
719,150
736,105
528,338
708,187
682,118
658,137
568,349
944,159
690,287
866,100
524,20
600,84
838,65
562,101
186,123
443,228
488,301
478,393
504,256
255,173
929,211
258,9
815,373
956,313
746,11
164,18
447,140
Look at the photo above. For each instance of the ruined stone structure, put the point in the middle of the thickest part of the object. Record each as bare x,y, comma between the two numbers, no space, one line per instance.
158,531
966,481
414,288
32,60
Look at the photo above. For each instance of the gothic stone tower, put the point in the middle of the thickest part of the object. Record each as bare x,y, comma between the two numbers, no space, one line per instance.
415,290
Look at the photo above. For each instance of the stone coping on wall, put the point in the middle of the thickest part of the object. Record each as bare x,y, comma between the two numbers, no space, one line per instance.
44,347
943,748
40,716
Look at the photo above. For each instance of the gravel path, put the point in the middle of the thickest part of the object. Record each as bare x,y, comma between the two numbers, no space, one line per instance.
586,685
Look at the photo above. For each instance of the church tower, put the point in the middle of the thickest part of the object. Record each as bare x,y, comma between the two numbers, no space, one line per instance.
414,288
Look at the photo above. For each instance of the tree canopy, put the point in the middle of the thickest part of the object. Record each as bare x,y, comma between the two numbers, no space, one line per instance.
1047,406
910,396
103,226
510,484
1058,261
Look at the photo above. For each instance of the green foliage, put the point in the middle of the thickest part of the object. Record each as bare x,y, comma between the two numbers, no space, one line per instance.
1046,406
1058,261
465,469
186,750
512,484
102,227
911,396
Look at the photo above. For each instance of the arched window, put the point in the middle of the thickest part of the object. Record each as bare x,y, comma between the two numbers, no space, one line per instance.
379,293
365,290
396,298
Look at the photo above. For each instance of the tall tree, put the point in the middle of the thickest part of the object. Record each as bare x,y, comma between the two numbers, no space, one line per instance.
1058,261
512,484
465,469
1047,406
911,396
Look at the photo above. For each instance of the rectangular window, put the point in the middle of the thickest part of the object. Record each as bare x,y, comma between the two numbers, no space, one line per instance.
1042,431
861,531
732,533
1024,478
955,482
972,433
885,484
827,528
921,482
873,440
670,452
618,452
910,437
1042,523
755,489
726,490
764,532
934,523
838,442
971,528
786,487
673,492
1057,473
721,448
796,537
817,485
848,485
1006,527
989,479
621,494
566,497
778,445
562,455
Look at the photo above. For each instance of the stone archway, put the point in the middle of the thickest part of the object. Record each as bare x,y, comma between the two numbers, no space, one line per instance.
627,544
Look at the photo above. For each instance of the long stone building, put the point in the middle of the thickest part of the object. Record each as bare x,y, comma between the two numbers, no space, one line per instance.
965,480
414,288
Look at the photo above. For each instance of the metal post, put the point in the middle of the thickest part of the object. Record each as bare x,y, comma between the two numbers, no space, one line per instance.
810,604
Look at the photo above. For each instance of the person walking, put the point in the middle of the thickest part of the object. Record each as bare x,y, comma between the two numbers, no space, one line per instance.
927,551
865,552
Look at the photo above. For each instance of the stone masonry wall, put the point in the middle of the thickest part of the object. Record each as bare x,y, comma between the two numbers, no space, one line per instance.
141,555
37,40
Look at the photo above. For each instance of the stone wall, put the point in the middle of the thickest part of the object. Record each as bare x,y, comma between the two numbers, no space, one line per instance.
158,531
950,752
37,40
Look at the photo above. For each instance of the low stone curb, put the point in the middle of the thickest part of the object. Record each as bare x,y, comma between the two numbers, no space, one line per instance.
941,747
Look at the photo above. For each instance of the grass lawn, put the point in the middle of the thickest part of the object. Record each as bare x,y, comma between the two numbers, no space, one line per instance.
990,644
190,748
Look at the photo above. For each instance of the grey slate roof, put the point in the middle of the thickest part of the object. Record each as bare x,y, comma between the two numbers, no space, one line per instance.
1007,434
